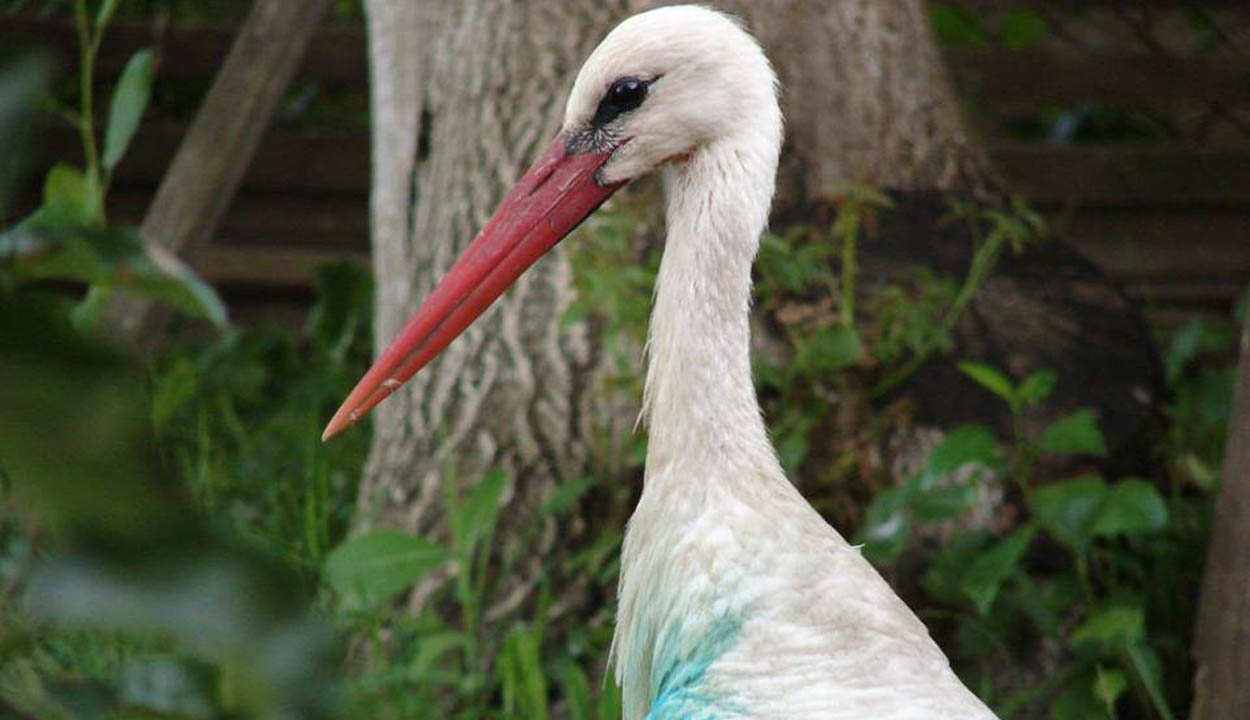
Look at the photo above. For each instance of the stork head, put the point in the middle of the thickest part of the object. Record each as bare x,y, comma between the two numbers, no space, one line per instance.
662,85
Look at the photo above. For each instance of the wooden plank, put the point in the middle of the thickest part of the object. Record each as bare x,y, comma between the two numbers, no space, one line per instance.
272,267
189,51
999,78
1149,246
317,160
337,161
314,221
994,77
217,149
1126,176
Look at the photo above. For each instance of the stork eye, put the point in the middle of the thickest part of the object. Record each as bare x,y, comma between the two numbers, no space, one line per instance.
624,95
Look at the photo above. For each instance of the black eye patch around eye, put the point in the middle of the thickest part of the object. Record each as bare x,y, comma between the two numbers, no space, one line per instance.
624,95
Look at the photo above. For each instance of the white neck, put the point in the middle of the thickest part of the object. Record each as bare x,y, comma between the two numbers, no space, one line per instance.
700,400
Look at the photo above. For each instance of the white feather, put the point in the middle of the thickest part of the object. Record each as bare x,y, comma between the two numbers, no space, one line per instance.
737,600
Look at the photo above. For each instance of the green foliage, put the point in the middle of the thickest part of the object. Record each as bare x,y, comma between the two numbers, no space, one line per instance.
370,569
992,591
68,237
130,99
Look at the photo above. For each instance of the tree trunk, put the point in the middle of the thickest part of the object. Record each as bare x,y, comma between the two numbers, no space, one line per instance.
465,93
1222,643
866,96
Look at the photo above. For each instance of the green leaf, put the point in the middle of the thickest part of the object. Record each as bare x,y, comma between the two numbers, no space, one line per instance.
158,274
987,570
1110,628
1132,506
1076,434
566,495
173,388
1067,509
524,685
1024,27
956,26
943,503
1108,686
962,445
1193,338
105,14
1037,387
370,568
886,529
475,518
1145,665
431,647
990,379
831,349
71,195
130,99
576,691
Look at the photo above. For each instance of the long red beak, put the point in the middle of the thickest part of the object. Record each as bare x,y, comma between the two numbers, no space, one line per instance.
554,196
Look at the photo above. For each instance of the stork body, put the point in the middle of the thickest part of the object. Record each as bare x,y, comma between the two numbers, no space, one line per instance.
737,600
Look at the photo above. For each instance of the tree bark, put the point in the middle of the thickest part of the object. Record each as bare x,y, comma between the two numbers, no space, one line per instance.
219,145
465,93
1222,642
866,96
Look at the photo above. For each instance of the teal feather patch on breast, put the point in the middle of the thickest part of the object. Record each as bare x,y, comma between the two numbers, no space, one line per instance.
679,689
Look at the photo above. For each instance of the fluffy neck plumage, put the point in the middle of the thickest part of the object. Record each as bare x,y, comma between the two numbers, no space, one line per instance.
700,401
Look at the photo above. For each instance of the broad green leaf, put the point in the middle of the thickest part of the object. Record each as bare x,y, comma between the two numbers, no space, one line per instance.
831,348
1132,506
987,570
962,445
1037,387
158,274
1067,509
73,195
64,185
943,503
1110,628
1075,434
991,379
71,257
130,99
372,567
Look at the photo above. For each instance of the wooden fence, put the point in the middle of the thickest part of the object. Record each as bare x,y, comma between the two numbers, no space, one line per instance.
1171,223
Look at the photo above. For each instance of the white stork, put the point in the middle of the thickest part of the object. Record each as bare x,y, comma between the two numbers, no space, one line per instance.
737,600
